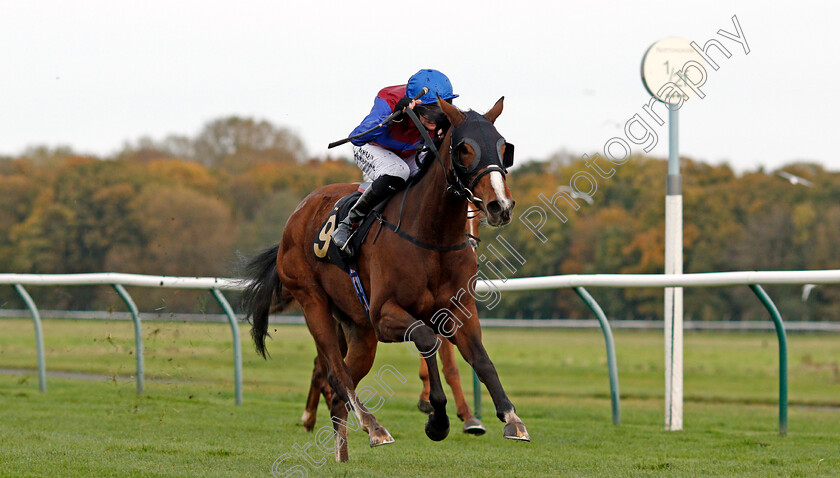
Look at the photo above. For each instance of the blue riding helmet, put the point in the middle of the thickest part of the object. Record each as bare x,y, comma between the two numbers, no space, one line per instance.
437,83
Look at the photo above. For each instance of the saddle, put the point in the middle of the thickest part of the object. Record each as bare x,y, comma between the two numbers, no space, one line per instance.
322,245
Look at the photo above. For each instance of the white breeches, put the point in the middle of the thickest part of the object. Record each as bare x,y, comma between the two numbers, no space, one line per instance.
376,161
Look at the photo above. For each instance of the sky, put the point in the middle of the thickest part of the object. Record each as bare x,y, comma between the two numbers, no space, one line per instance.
94,74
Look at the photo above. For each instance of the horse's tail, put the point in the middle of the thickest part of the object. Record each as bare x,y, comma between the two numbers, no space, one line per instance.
263,294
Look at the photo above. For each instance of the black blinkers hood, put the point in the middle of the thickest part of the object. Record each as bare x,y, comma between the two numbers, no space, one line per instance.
478,132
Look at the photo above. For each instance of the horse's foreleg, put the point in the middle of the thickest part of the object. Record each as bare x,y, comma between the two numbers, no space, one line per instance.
468,340
423,404
437,425
397,325
453,378
472,424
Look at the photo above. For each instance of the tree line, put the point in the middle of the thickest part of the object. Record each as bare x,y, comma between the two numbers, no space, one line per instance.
191,206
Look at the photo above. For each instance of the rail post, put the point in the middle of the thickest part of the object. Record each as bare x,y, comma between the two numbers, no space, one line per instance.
138,333
476,395
783,361
39,336
610,343
237,346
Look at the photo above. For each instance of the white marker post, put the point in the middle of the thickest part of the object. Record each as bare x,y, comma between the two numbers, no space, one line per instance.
660,66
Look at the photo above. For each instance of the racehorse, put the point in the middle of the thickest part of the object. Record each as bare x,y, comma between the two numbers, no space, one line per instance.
318,385
420,278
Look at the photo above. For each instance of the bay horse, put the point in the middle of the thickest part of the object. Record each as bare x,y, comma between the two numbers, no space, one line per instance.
420,278
472,425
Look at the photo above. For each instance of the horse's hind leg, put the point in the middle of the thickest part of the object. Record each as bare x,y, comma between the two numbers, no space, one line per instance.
321,325
361,352
319,386
329,340
316,387
423,404
472,425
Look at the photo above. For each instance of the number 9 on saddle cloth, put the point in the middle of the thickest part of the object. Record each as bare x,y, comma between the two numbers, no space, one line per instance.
323,246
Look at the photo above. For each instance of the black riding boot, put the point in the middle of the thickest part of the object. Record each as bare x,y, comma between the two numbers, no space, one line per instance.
380,190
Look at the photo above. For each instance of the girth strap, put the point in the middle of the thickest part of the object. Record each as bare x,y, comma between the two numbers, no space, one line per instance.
408,237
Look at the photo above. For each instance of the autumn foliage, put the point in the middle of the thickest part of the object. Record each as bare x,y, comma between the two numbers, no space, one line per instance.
189,206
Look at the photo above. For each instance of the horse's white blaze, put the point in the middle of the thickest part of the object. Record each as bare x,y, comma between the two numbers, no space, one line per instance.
305,417
498,183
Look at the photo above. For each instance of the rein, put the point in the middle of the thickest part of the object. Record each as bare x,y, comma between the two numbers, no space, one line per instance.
453,182
454,185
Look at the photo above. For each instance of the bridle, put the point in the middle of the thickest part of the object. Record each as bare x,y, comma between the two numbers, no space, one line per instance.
480,134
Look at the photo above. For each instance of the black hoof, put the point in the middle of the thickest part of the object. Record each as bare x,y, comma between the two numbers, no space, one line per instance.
473,426
425,406
437,428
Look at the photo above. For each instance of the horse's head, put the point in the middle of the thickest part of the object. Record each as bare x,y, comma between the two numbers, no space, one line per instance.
480,157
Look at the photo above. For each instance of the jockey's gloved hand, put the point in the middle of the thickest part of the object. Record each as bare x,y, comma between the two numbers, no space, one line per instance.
402,104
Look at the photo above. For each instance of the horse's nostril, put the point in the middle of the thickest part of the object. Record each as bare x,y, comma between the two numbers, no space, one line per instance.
494,208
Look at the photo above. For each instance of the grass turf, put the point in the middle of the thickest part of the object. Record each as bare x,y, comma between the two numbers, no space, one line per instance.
185,423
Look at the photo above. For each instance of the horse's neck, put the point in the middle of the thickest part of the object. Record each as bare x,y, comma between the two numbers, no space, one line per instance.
431,214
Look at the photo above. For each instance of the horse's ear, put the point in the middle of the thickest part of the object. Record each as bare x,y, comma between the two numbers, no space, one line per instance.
452,113
496,110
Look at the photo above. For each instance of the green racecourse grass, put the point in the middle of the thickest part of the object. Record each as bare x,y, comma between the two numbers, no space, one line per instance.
185,424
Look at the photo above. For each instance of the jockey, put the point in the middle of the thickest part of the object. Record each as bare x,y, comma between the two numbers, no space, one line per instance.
388,155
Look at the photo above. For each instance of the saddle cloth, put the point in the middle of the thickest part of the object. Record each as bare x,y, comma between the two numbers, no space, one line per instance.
322,244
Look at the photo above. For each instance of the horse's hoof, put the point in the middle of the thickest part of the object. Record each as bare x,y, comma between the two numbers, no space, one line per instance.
473,426
380,436
425,406
517,431
437,431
